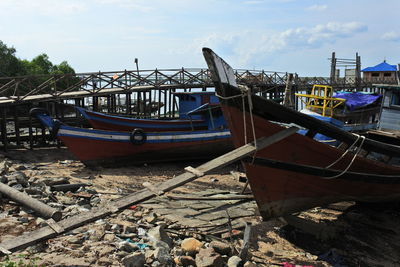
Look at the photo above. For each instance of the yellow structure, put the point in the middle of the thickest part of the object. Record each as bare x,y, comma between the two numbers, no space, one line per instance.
320,100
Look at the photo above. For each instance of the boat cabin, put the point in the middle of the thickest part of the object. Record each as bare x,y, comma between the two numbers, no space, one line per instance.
390,119
201,105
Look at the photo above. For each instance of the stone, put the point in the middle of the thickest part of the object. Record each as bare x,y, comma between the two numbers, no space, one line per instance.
55,181
191,246
109,237
136,259
18,187
20,168
235,261
222,248
104,261
94,201
76,239
235,234
127,246
250,264
158,234
207,257
151,218
3,179
17,178
105,250
184,261
162,255
5,166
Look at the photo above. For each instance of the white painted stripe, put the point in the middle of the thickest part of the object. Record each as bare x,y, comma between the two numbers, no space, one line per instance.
149,137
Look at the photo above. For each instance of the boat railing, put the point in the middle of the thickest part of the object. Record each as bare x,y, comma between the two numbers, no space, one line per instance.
321,104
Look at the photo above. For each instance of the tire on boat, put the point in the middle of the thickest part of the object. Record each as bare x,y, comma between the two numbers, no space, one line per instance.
138,137
34,111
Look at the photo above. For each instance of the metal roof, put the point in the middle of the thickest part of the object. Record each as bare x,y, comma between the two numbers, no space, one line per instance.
381,67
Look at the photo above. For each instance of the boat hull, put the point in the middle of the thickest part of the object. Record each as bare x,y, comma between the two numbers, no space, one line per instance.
279,192
116,123
310,173
112,149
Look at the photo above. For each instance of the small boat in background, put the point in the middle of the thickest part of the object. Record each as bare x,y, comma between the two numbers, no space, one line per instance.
350,111
298,172
117,148
187,121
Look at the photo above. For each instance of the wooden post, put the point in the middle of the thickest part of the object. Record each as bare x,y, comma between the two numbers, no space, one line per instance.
4,128
333,69
169,103
159,103
144,104
16,126
288,100
358,72
30,130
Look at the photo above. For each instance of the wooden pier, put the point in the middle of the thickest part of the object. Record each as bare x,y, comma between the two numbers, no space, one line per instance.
138,93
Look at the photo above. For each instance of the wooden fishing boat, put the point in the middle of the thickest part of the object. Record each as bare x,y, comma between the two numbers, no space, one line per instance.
115,148
103,121
298,172
350,111
188,101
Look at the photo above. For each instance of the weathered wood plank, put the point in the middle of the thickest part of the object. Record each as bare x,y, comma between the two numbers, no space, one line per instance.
76,221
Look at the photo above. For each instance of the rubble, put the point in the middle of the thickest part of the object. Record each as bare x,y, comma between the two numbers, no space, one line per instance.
159,232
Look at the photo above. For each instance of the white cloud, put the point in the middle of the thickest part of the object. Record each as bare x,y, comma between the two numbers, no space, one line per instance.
391,36
250,46
317,7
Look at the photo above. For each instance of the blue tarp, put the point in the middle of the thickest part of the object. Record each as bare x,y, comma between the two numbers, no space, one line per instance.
357,99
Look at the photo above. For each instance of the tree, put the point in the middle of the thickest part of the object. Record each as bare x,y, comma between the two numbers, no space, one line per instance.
10,65
63,68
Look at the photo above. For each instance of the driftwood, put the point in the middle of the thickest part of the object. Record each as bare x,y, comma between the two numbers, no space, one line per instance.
76,221
42,209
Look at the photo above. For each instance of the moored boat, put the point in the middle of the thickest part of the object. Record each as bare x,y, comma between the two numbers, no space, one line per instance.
115,148
299,173
188,102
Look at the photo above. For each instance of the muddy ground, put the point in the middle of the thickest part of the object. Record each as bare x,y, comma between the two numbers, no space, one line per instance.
342,234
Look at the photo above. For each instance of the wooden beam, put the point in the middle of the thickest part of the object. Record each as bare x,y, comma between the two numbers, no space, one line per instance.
76,221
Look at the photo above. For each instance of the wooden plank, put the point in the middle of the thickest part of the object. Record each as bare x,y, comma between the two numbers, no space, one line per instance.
76,221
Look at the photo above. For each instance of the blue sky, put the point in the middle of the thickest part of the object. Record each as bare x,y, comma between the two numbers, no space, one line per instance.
277,35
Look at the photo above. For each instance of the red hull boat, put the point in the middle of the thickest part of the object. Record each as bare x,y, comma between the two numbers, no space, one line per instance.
299,172
116,148
117,123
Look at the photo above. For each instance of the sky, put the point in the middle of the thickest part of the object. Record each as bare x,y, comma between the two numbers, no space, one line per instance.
273,35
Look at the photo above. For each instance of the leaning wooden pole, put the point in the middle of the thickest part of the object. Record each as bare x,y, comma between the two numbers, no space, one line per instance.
42,209
54,229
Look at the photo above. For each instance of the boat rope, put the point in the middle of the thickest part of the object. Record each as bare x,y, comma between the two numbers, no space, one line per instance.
352,160
345,153
244,91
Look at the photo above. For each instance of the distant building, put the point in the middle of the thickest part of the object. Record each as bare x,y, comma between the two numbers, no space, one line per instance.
381,73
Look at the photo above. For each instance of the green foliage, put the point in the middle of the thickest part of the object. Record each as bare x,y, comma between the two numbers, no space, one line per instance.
21,262
10,65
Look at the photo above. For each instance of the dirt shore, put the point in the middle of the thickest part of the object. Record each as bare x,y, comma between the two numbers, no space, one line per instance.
343,234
